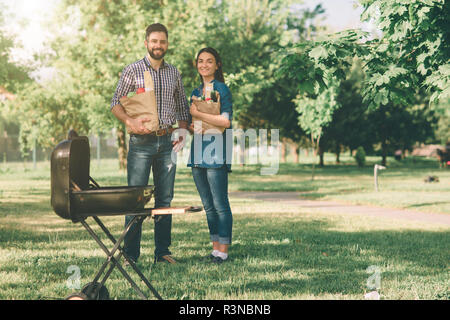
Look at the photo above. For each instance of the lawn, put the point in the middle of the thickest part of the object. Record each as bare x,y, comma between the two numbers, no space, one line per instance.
279,251
401,185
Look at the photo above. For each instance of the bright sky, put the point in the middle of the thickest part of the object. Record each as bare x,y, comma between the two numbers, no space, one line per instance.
339,14
26,19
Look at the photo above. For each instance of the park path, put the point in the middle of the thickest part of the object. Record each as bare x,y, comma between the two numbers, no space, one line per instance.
294,199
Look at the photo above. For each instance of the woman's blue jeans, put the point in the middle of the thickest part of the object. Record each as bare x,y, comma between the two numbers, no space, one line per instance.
150,152
212,185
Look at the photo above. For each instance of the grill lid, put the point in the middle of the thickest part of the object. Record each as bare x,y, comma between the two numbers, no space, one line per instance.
69,164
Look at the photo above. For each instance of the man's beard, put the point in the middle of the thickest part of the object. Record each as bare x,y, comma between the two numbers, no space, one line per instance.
155,56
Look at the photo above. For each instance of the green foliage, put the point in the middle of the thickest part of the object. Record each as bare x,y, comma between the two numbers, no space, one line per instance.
316,113
318,67
416,34
47,113
108,36
350,126
262,100
12,74
248,42
442,127
412,55
440,81
360,157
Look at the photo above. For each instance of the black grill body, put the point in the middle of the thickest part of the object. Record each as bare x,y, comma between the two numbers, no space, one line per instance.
75,195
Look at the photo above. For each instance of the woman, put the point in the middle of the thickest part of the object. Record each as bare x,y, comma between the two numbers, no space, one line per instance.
210,168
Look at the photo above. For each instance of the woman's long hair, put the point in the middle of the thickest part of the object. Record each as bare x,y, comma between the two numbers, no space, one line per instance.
218,75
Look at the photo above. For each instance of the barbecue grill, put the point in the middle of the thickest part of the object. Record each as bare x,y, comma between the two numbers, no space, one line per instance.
76,196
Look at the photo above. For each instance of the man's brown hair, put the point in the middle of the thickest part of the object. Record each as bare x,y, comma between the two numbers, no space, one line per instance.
156,27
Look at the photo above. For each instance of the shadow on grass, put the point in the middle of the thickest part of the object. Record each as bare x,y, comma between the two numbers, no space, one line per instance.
336,262
417,205
24,208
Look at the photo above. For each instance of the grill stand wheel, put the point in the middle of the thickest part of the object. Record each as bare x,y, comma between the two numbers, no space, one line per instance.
95,291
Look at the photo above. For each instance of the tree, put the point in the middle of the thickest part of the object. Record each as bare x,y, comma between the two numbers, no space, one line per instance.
417,32
12,76
442,128
271,107
47,113
412,53
349,127
318,67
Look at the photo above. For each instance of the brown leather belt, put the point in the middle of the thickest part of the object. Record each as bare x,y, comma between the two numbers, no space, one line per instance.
162,132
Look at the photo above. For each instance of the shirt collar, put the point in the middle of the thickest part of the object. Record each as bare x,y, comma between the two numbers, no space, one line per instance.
163,64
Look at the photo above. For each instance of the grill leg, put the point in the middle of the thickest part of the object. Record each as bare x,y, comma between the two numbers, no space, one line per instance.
130,261
111,259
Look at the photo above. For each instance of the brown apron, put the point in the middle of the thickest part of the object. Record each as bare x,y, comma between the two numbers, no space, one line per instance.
143,105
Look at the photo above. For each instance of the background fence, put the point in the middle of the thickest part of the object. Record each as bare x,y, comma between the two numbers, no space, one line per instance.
10,149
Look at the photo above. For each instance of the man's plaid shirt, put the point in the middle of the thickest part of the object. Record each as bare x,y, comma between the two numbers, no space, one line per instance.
169,91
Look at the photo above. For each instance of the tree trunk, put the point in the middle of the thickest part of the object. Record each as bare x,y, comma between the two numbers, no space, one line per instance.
295,150
283,150
338,153
122,148
321,153
383,152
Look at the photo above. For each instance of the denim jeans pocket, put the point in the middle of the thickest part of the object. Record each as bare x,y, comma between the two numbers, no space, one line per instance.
136,139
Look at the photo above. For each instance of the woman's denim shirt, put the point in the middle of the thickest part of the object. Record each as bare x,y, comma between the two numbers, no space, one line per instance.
216,149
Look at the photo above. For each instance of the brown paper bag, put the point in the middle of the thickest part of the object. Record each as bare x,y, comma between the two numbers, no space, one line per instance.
143,105
209,107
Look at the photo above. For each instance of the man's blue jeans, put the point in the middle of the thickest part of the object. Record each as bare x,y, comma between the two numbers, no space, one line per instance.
212,185
149,152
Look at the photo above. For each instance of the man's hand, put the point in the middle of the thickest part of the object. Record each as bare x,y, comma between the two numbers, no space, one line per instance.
179,136
137,126
179,144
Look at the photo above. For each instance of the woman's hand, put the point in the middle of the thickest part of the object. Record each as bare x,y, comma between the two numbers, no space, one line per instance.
196,129
194,111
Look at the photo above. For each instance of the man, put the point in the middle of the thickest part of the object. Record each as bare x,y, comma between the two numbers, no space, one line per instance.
152,150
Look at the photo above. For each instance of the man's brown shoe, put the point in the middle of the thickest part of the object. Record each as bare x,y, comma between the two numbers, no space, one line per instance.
166,259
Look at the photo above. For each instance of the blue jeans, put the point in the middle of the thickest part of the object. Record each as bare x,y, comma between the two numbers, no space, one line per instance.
149,152
212,185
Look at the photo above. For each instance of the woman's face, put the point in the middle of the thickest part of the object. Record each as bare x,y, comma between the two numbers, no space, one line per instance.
206,64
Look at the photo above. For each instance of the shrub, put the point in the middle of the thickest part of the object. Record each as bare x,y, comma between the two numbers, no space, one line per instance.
360,156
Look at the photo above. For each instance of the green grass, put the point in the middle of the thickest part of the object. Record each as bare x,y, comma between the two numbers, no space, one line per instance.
278,252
